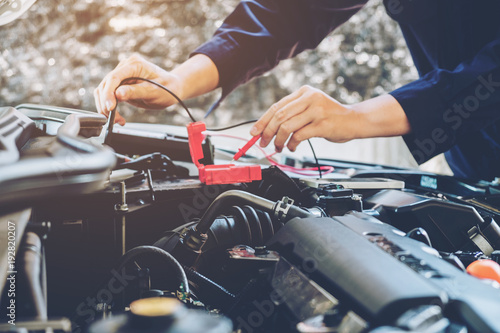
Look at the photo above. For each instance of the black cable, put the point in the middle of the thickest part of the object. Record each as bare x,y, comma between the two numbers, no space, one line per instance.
232,126
212,293
145,249
112,117
164,88
315,158
110,126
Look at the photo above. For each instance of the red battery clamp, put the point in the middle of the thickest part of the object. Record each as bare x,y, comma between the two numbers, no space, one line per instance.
222,173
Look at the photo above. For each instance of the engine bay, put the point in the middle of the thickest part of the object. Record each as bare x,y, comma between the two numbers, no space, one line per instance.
115,232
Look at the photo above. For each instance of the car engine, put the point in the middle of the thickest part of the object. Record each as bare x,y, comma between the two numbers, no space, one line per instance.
113,231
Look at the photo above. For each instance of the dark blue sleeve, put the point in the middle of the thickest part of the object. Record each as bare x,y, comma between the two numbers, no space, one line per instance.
260,33
443,106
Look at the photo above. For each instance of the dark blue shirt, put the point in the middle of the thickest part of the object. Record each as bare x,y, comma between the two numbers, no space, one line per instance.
454,106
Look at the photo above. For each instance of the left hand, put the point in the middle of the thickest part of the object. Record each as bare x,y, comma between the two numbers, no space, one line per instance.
306,113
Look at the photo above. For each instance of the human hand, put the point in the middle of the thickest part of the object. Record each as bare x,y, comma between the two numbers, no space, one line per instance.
138,93
306,113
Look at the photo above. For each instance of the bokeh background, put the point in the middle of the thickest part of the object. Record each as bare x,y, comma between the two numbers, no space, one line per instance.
58,52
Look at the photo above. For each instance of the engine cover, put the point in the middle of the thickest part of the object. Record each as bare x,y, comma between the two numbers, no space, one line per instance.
371,268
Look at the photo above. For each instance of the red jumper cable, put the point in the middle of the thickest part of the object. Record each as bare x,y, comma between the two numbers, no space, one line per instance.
222,173
245,148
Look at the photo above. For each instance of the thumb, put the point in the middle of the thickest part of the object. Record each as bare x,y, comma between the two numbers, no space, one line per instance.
125,93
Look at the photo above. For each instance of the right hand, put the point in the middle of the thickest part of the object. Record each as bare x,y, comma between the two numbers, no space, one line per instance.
138,93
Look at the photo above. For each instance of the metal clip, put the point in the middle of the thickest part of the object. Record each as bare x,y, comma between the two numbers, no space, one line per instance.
282,207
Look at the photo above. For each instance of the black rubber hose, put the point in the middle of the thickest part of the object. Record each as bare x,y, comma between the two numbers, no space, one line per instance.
254,221
220,296
265,219
174,264
240,217
236,197
214,237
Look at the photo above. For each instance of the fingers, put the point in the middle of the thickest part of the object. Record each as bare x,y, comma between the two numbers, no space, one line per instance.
306,113
262,123
107,88
303,134
135,92
105,110
97,101
291,126
282,118
105,93
119,119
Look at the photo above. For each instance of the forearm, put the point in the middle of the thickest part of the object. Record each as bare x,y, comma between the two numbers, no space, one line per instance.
381,116
198,75
260,33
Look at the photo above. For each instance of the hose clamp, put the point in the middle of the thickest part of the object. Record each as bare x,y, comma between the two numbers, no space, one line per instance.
282,207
